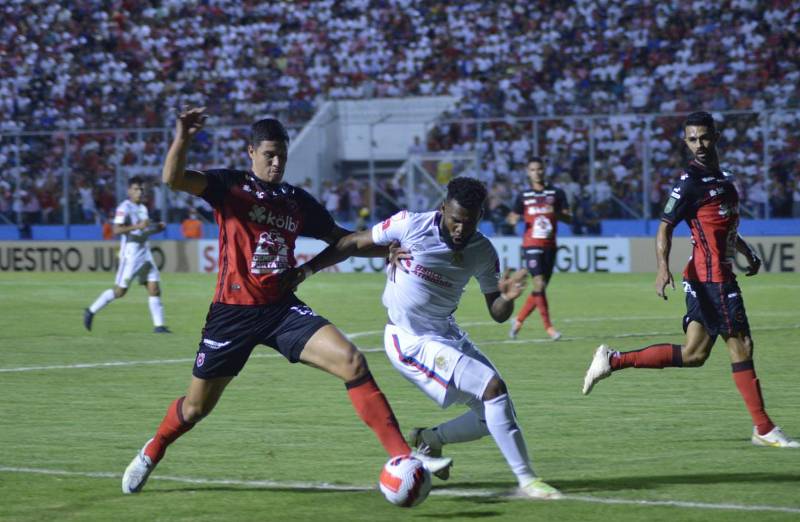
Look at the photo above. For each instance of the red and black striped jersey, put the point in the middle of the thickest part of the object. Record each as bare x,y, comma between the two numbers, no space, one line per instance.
707,200
259,223
540,210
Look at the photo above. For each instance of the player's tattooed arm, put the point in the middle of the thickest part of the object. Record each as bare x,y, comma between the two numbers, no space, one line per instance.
663,247
501,303
174,173
753,261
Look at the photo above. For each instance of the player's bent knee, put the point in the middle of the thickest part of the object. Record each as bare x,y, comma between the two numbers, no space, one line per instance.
194,412
494,389
120,292
695,359
356,365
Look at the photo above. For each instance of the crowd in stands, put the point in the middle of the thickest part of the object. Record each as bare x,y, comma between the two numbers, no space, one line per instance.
122,64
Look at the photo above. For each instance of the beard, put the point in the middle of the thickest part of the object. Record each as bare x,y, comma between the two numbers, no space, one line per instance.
448,239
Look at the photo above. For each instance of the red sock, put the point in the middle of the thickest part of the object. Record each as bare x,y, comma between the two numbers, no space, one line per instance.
373,408
541,303
744,375
527,308
654,356
172,427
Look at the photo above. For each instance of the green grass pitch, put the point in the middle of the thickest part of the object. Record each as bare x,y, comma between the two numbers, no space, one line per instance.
645,445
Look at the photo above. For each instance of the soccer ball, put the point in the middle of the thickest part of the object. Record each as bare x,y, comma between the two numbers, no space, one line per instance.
404,481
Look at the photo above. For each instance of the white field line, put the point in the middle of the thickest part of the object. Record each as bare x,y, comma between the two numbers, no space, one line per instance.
595,338
443,492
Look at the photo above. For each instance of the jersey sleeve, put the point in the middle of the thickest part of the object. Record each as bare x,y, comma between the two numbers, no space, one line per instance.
121,214
391,229
219,183
317,221
679,202
519,205
488,273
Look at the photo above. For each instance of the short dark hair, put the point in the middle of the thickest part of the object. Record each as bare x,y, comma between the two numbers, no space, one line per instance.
467,192
135,180
700,119
535,159
268,129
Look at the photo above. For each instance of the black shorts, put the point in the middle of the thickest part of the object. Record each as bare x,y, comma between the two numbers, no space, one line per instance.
540,260
232,331
719,307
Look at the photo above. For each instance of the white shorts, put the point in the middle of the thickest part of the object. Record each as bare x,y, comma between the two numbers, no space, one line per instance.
449,368
137,264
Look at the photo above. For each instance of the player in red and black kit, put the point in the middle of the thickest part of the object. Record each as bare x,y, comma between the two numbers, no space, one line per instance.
259,218
706,199
541,207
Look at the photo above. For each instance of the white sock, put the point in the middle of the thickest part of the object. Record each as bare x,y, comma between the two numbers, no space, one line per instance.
156,310
105,298
465,428
503,426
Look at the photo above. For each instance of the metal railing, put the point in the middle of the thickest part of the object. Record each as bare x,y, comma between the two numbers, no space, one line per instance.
70,177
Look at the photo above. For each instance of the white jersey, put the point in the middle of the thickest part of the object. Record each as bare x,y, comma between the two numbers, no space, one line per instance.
129,213
422,296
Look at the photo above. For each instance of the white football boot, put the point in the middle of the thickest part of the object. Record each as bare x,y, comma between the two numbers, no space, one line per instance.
553,333
137,472
516,326
598,370
539,489
774,439
429,453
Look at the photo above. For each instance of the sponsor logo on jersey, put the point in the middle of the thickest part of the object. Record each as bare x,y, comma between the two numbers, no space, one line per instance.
429,275
441,362
670,204
540,209
386,223
260,215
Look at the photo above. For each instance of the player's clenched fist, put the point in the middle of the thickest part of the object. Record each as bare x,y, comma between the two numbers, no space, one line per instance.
190,121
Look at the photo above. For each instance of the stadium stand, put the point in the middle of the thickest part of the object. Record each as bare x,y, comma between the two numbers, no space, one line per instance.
91,64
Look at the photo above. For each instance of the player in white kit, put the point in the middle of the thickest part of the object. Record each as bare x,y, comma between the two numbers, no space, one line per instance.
132,223
422,339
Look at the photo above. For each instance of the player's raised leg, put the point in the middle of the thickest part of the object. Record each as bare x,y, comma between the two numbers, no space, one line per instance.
693,353
182,414
103,300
